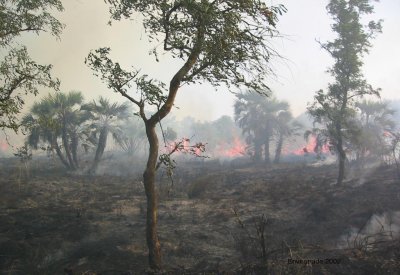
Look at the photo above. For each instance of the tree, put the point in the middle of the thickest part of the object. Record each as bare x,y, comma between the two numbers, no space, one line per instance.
286,126
221,42
258,116
222,136
394,146
57,115
249,116
19,74
376,122
43,127
67,111
106,118
133,137
271,109
334,109
170,134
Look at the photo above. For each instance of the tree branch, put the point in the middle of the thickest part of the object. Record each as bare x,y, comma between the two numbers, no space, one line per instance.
166,24
2,35
179,76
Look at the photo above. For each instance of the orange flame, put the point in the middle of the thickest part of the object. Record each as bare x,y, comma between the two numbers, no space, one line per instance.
3,146
236,149
387,134
309,148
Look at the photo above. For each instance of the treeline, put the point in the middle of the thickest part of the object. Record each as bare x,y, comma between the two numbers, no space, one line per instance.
68,126
265,120
224,43
267,123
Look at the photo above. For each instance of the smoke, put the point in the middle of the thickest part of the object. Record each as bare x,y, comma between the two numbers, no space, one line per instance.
379,228
358,177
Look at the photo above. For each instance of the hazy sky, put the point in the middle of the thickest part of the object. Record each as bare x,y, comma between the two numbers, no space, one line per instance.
298,75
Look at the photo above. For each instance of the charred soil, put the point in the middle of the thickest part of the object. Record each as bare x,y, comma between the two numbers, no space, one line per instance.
214,219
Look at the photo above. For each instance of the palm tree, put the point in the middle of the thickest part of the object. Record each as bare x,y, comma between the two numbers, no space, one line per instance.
69,115
43,127
257,115
286,127
106,118
133,139
271,108
56,116
375,119
248,116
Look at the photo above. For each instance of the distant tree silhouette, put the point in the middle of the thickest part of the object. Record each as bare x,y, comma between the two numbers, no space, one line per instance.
57,116
262,119
334,109
106,118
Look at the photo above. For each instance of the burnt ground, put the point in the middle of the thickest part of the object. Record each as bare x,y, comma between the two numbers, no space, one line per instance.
215,219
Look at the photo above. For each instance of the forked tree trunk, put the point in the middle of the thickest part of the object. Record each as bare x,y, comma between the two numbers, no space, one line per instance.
64,138
149,174
74,149
152,199
100,149
257,146
278,150
257,151
267,158
60,155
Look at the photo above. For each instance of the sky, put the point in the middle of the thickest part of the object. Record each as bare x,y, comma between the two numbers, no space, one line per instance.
297,75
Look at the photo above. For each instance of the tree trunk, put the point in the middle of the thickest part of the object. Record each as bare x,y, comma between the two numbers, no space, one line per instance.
342,156
149,174
100,149
74,149
152,199
278,150
257,151
64,138
342,159
363,156
267,158
396,162
60,155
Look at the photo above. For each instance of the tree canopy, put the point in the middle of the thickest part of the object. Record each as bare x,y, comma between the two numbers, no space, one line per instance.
106,118
57,116
262,119
220,42
19,74
334,108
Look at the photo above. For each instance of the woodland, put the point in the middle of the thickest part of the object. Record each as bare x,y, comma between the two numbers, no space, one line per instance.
125,187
